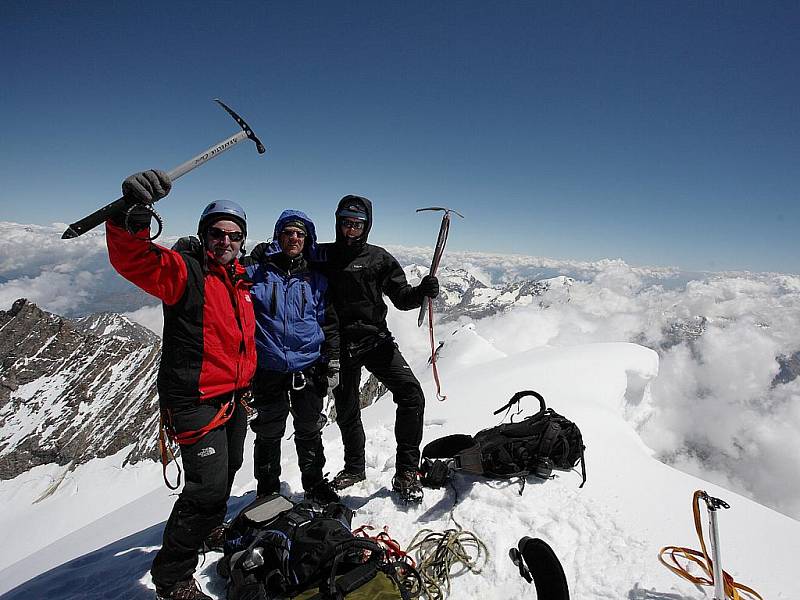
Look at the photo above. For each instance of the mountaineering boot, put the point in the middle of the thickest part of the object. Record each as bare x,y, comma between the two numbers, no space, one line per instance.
323,493
407,487
183,590
215,541
344,479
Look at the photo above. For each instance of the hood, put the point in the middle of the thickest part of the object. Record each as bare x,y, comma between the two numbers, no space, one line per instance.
310,248
367,205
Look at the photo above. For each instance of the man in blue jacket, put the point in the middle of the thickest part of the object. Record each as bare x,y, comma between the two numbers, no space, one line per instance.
297,338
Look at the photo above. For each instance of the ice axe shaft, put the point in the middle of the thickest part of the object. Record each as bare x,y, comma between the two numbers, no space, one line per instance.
712,506
441,240
117,206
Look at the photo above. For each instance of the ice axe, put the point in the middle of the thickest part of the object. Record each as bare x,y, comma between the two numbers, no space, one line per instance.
118,206
444,228
437,253
711,565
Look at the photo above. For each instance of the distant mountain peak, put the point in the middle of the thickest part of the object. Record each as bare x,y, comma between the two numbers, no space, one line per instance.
462,294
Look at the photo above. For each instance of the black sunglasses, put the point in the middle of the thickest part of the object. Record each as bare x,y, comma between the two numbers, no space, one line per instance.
215,233
350,224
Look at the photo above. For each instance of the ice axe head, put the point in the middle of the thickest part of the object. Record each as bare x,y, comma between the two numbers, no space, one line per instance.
245,127
446,211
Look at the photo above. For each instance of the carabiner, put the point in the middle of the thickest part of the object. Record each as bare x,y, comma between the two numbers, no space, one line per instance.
302,384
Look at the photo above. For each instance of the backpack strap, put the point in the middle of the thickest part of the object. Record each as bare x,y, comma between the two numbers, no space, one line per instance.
518,396
550,437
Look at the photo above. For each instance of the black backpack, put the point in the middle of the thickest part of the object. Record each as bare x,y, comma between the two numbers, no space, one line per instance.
534,446
277,549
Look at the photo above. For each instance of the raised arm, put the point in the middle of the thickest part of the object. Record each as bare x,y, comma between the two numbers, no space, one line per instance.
159,271
155,269
402,294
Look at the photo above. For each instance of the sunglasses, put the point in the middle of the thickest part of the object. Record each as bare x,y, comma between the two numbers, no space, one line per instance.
301,235
215,233
350,224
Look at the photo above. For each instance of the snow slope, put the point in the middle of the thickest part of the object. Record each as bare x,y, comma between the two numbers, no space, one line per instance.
96,536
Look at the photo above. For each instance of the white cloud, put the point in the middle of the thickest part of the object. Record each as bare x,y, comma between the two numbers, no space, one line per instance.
68,277
151,317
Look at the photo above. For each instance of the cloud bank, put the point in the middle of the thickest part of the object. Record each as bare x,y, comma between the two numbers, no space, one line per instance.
726,404
68,277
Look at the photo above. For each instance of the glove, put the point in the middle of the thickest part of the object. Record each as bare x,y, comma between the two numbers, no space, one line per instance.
146,187
333,374
429,286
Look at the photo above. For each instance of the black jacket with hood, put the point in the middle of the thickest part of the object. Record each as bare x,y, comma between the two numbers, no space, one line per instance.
359,274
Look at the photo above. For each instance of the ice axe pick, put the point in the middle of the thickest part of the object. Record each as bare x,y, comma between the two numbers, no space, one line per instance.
117,206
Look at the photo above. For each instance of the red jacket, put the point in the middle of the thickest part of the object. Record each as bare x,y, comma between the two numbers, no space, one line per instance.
208,346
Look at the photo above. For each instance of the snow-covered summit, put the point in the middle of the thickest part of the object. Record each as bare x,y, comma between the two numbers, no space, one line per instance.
607,534
118,326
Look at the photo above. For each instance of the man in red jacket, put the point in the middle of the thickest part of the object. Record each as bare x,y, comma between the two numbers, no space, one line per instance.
207,361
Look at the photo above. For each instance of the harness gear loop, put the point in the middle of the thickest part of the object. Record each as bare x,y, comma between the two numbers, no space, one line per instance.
167,453
701,558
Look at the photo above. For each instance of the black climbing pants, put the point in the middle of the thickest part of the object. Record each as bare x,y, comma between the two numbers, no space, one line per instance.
390,368
275,396
209,466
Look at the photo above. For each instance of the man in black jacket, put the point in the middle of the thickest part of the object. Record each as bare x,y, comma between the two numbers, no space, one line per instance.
359,274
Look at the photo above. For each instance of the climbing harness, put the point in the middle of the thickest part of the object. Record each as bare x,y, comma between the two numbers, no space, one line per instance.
167,436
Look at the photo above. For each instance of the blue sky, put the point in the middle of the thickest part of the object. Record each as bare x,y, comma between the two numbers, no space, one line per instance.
663,133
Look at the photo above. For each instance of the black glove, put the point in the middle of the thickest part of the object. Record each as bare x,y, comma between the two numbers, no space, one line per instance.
429,286
146,187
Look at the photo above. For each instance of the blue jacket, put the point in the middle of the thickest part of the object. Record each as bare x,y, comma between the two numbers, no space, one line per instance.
296,325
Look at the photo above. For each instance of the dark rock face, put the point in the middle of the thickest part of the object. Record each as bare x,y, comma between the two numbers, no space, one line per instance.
683,332
74,390
789,369
71,391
